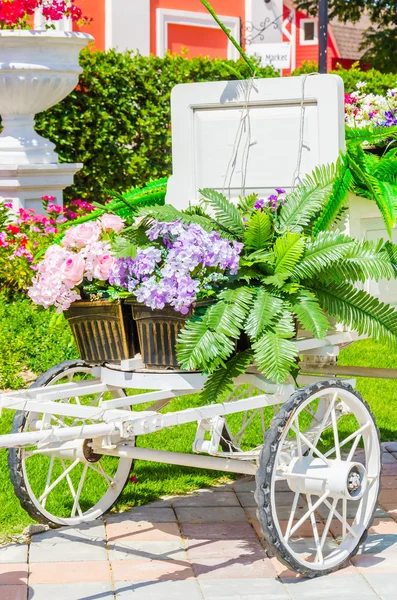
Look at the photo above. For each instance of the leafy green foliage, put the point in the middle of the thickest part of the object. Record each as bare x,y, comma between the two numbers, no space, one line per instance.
274,352
303,205
264,310
321,253
226,213
310,314
337,198
359,310
220,382
259,230
288,251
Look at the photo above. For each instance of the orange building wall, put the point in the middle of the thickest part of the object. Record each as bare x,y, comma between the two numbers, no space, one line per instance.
231,8
198,41
96,10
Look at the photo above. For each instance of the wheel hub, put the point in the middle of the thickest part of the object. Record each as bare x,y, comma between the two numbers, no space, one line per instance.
89,454
341,479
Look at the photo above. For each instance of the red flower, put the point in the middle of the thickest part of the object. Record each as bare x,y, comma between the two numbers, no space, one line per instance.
13,229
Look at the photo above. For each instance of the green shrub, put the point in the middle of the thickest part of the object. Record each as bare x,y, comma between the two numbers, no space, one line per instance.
117,121
377,82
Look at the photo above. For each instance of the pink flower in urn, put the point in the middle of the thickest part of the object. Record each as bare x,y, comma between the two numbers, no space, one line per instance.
79,236
103,266
72,270
112,222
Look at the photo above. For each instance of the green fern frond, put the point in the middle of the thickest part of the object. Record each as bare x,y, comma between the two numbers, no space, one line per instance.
246,205
225,212
370,135
364,260
200,348
321,253
337,198
264,310
304,204
288,251
122,247
258,231
221,382
310,314
274,352
359,311
386,169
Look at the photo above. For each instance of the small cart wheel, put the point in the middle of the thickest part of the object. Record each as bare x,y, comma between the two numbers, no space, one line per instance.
318,478
56,488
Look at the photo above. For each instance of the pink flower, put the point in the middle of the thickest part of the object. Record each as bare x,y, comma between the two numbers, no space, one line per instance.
103,266
79,236
112,222
72,270
8,205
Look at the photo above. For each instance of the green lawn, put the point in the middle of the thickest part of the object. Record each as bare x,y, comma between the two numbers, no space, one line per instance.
28,342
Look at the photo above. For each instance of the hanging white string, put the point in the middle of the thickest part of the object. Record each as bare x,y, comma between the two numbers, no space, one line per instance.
244,127
296,178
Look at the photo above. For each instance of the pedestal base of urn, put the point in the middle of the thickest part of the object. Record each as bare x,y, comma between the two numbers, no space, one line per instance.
25,185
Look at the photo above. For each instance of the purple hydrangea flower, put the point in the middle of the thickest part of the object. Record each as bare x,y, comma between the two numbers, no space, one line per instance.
176,274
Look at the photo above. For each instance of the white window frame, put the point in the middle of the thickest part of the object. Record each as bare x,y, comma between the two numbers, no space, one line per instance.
167,16
302,40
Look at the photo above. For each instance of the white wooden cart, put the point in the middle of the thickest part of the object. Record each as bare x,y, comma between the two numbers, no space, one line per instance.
314,449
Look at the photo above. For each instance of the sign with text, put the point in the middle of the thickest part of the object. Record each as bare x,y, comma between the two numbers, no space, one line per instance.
276,55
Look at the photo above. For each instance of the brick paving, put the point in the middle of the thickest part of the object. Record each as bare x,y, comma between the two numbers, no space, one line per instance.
205,546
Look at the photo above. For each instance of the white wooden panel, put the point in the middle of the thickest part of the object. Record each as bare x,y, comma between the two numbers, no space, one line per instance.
206,119
365,221
128,25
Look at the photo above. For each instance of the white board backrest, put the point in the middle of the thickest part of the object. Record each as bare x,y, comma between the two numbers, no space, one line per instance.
206,119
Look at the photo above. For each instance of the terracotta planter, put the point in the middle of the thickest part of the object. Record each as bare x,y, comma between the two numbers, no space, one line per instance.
104,331
158,332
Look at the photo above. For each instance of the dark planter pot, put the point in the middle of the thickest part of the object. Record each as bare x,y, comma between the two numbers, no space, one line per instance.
104,331
158,332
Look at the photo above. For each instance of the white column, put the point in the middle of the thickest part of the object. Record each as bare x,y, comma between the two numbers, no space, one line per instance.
128,25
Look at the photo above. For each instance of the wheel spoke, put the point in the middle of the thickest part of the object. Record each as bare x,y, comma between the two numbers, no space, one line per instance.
327,525
58,480
314,527
311,446
344,517
308,513
71,487
323,423
298,441
48,481
354,447
292,515
339,516
101,471
349,438
336,434
79,490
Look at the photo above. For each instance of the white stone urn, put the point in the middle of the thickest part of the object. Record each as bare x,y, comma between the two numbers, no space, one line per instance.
37,70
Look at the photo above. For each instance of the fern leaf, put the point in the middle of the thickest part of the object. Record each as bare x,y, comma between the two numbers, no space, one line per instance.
321,253
259,230
202,349
359,311
304,204
221,382
264,310
226,213
337,198
274,352
288,251
310,314
246,205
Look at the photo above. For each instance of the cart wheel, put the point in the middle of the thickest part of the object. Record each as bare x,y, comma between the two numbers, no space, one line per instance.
318,478
62,489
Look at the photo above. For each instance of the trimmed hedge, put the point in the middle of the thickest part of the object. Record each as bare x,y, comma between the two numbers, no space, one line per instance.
117,121
377,82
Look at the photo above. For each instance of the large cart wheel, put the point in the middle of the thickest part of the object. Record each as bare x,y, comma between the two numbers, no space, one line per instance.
58,488
318,478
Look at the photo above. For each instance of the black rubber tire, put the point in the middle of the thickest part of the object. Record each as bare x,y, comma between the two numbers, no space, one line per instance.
265,470
14,454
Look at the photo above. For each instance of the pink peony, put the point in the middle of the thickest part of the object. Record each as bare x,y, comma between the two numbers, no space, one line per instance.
72,270
79,236
102,267
112,222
